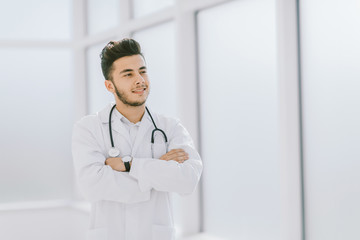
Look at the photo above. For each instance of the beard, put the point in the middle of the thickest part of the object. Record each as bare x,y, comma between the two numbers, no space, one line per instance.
124,98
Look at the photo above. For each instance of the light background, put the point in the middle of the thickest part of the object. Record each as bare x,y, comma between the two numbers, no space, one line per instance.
267,88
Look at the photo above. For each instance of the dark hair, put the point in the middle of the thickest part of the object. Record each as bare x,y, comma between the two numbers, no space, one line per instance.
115,50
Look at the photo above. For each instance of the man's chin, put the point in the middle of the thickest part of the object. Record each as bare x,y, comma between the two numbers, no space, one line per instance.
135,104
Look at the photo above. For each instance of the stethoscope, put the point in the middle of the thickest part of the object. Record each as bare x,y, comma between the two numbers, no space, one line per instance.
114,152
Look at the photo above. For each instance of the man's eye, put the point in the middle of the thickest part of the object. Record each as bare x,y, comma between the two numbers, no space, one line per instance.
127,75
143,72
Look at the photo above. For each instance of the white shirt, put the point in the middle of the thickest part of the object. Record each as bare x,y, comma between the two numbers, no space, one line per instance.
132,205
133,128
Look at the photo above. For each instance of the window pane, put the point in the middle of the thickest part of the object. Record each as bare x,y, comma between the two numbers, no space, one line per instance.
98,95
36,19
238,99
102,15
330,52
145,7
36,90
158,46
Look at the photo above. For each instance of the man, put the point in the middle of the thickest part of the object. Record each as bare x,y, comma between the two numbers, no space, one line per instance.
126,177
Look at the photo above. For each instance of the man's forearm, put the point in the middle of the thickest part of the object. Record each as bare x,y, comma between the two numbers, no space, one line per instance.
178,155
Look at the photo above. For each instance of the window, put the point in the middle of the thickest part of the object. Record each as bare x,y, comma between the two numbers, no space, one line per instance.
98,95
330,56
35,20
238,89
102,15
144,7
37,118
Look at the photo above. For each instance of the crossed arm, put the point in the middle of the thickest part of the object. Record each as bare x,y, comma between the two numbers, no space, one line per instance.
99,181
178,155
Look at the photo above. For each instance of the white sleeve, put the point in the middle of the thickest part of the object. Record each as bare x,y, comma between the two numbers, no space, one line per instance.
98,181
170,176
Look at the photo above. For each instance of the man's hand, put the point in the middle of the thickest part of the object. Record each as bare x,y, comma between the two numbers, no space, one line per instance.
116,163
178,155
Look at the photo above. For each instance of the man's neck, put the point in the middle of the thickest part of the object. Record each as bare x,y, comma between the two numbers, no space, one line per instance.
133,114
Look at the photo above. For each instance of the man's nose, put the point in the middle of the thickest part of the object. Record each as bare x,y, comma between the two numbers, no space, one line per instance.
139,79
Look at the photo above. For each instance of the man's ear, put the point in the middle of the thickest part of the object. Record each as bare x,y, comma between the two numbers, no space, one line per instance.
109,86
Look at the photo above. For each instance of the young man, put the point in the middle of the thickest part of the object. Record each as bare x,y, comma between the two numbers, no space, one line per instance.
126,177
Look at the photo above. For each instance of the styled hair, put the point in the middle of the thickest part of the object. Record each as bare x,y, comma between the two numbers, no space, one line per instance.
115,50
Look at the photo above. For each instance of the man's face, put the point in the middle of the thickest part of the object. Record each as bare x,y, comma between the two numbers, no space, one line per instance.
130,80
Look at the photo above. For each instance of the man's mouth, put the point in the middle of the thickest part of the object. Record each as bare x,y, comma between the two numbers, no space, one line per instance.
139,90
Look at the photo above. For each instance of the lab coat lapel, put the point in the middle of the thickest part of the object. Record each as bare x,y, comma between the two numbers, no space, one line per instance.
143,130
116,124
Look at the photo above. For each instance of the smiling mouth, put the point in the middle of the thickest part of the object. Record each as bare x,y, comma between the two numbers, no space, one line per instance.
139,91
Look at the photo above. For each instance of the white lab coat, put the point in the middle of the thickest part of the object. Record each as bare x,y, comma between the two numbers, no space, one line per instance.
133,205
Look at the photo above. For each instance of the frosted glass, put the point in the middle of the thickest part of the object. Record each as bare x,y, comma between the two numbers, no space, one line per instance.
239,125
36,90
330,37
158,45
102,15
145,7
35,20
98,95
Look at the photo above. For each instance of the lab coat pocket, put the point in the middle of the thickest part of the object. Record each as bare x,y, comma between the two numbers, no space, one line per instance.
160,232
97,234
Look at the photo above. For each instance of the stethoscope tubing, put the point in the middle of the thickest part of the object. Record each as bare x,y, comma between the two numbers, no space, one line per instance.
152,133
110,129
156,129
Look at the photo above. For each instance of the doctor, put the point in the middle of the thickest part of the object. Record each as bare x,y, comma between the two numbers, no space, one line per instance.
125,176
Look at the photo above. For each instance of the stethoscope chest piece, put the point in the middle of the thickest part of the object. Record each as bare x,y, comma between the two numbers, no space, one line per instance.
114,152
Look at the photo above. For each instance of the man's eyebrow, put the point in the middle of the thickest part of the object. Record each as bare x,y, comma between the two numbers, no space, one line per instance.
126,70
130,70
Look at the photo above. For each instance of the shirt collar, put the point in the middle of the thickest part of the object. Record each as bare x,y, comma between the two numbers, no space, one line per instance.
104,114
125,120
